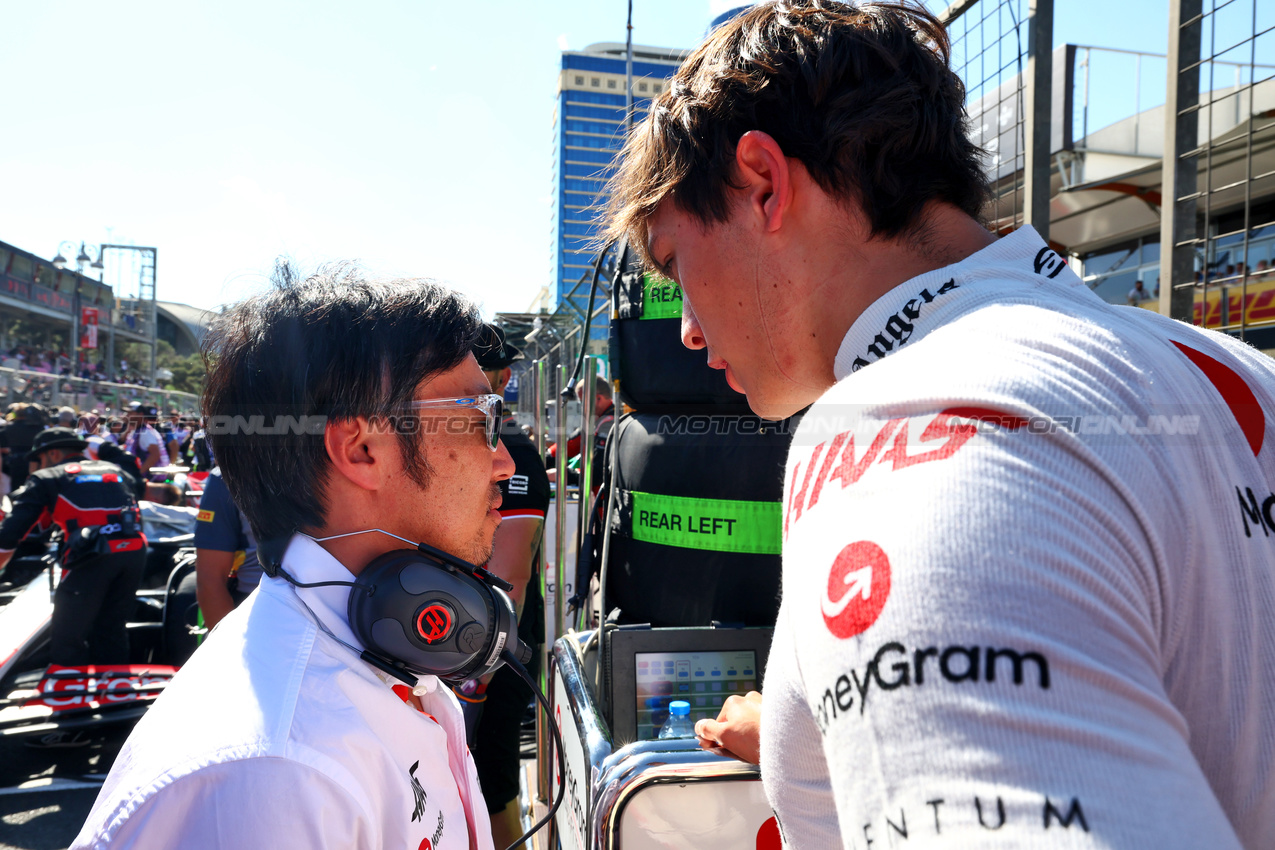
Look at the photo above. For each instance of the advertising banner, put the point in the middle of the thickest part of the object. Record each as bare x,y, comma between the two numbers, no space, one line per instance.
1220,306
88,327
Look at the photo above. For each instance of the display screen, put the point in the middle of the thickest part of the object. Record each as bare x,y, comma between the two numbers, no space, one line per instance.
704,679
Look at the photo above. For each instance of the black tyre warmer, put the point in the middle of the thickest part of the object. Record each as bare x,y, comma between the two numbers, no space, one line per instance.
696,530
654,369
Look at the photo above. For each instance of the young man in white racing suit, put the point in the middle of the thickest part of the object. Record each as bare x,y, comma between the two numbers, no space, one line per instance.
1029,537
337,405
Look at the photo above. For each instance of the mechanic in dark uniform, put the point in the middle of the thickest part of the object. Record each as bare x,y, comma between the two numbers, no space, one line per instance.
604,419
226,563
103,550
515,557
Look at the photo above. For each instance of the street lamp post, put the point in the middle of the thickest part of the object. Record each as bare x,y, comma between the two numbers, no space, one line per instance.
82,259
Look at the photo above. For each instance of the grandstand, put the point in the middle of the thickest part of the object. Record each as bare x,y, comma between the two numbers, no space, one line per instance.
47,354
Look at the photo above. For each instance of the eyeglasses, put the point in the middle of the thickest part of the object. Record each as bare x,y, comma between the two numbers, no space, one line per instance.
492,406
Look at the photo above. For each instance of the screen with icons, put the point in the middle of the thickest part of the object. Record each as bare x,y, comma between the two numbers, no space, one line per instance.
704,679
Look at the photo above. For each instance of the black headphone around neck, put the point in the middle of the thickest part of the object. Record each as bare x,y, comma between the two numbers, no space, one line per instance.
423,611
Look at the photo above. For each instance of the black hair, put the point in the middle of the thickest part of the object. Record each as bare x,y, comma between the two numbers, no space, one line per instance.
332,346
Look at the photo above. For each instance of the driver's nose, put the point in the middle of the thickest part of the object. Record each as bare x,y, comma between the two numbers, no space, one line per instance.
692,334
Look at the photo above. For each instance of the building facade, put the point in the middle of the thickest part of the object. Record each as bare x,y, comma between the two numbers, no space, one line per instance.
589,129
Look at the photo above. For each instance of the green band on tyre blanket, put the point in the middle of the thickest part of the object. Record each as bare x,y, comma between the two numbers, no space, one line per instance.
661,298
718,525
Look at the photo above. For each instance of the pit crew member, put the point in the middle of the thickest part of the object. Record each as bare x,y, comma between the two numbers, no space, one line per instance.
226,566
103,550
501,703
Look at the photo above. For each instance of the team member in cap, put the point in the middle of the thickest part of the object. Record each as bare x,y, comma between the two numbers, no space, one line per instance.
502,701
102,550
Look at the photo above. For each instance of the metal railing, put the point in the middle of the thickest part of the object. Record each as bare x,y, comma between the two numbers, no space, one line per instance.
53,391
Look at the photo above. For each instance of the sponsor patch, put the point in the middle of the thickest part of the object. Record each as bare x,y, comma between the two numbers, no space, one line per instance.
205,516
858,586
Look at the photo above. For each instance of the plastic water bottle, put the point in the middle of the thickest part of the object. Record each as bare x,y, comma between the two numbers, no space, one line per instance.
679,723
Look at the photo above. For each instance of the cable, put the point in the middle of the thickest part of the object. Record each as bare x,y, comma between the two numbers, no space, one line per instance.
588,321
509,659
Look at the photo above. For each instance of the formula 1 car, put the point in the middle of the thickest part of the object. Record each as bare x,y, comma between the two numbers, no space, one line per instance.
51,707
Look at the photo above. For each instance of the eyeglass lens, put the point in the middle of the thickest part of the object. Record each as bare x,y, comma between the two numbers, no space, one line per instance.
493,422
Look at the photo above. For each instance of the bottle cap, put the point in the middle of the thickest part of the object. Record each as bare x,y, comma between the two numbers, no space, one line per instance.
679,706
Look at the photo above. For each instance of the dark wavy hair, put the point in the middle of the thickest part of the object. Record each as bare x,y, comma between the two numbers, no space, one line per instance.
331,346
863,95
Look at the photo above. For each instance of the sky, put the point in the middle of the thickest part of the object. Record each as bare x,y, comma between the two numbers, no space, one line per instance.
414,137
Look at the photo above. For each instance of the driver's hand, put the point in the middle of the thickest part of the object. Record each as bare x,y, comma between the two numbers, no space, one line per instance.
737,730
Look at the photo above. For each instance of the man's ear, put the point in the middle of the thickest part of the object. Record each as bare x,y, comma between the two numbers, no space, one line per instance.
359,452
763,173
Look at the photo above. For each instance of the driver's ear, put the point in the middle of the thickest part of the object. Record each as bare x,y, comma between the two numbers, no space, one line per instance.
762,172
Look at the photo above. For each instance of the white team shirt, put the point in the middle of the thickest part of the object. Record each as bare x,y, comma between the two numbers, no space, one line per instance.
145,437
1029,577
274,735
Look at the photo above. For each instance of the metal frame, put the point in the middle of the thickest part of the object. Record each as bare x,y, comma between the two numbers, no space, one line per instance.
1181,171
1192,155
1029,182
1040,64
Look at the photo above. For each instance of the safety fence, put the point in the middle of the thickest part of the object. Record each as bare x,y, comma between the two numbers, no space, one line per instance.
53,391
1220,165
1001,49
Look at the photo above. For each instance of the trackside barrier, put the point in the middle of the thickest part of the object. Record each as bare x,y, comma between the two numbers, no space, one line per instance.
53,391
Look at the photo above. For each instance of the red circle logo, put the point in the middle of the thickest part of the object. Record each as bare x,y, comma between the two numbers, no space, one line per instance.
768,837
434,623
858,586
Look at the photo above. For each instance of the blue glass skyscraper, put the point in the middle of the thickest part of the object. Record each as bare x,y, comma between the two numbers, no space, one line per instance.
589,129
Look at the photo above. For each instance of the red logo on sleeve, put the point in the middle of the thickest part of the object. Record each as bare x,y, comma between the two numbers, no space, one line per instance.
1235,392
858,585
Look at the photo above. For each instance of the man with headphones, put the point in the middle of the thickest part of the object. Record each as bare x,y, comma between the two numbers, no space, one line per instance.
358,435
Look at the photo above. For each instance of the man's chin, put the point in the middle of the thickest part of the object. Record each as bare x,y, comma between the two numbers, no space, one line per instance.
482,547
772,410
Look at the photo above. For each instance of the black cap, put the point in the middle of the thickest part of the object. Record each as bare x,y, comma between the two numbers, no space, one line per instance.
148,411
55,438
493,351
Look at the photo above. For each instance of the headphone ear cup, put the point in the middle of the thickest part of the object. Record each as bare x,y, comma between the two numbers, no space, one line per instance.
432,618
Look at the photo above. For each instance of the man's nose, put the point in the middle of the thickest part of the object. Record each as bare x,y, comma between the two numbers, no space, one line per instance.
502,467
692,334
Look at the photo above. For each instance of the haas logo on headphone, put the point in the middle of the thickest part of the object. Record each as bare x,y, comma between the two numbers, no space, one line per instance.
434,623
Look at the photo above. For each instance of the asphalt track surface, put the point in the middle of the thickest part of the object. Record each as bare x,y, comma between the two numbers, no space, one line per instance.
45,794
